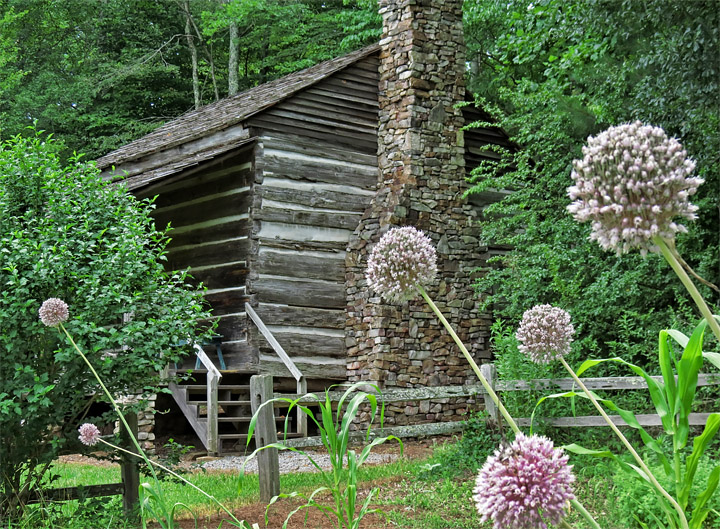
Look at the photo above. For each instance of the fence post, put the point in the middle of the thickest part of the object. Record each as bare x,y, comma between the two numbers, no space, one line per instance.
261,390
490,373
301,416
129,469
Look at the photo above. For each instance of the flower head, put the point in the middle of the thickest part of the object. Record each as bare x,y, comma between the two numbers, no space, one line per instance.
89,434
631,183
545,333
524,486
403,258
53,312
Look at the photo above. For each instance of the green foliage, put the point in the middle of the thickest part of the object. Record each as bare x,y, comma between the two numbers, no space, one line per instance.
100,73
633,503
65,233
335,428
554,72
673,399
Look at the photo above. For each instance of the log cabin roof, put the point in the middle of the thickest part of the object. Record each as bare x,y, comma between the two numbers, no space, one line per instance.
229,111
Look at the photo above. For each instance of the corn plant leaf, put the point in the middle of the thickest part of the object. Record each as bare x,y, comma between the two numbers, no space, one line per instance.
700,443
656,389
678,337
668,374
713,358
688,368
700,512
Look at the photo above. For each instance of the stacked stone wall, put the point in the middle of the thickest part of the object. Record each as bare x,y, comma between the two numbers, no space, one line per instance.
421,183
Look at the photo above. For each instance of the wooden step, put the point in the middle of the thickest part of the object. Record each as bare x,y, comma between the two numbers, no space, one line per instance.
245,420
221,402
203,387
290,435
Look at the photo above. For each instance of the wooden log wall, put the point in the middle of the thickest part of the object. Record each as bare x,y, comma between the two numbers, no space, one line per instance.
209,212
316,172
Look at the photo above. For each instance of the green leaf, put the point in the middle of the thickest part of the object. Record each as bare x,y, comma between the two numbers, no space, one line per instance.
713,358
699,512
668,374
700,443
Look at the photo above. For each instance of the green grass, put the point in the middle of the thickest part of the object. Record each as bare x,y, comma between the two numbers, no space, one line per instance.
432,493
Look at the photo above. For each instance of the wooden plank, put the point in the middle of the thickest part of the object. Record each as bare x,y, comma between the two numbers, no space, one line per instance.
333,103
365,143
275,314
335,125
348,221
276,347
408,394
222,206
368,90
315,169
224,275
610,383
261,389
205,185
189,411
645,419
75,493
308,147
335,370
334,114
318,294
318,198
329,266
415,430
223,230
209,254
306,344
230,301
231,328
303,246
364,99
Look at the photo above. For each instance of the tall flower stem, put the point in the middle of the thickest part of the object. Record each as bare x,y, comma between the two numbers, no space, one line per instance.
506,415
621,436
670,255
174,474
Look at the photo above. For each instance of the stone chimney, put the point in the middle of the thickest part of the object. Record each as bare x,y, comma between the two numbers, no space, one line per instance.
421,183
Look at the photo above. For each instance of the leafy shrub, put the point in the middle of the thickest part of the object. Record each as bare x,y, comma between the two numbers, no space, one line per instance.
65,233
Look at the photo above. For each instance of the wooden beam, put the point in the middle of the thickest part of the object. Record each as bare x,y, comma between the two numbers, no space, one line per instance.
273,342
261,390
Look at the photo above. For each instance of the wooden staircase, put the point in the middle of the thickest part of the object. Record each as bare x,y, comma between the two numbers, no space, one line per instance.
233,405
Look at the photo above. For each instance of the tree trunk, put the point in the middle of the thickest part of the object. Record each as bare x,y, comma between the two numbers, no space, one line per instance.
233,84
193,53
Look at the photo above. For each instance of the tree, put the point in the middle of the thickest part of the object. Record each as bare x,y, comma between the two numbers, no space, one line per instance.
556,72
65,233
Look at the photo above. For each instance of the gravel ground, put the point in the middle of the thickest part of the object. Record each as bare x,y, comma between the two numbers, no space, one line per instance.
289,462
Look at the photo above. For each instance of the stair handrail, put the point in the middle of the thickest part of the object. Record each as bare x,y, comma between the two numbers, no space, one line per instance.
300,379
274,343
213,377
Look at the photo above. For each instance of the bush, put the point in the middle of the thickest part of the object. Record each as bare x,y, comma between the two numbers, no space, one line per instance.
65,233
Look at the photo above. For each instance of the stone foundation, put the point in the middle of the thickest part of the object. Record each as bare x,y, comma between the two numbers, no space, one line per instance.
146,424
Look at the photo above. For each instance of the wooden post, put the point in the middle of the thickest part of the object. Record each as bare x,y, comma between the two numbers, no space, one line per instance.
213,444
129,469
490,373
301,416
261,390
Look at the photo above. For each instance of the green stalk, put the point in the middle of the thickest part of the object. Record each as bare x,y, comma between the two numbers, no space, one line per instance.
670,255
112,401
506,415
174,474
636,456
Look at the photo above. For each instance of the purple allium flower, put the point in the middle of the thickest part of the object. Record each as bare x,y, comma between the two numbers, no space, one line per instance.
545,333
524,486
631,183
53,312
403,258
89,434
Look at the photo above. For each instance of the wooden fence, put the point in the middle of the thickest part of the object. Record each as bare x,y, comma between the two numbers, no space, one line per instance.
128,486
270,479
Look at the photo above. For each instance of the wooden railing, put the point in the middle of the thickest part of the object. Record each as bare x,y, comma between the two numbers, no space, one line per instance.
213,379
289,364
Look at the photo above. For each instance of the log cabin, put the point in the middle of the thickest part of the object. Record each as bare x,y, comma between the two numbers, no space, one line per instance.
276,195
